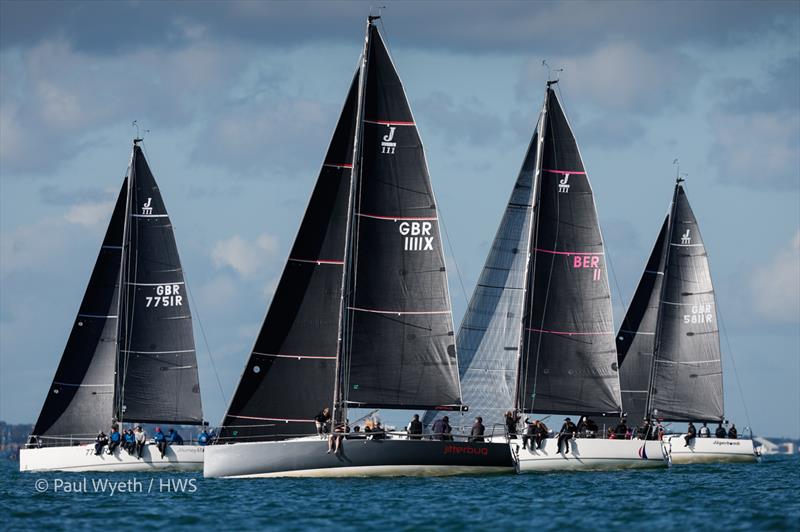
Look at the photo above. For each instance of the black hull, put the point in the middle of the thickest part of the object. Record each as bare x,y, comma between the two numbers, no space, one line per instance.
308,457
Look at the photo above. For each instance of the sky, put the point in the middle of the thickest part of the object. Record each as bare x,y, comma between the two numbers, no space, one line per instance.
237,102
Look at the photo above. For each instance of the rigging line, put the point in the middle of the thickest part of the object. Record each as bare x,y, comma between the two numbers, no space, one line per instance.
453,254
616,283
196,314
735,371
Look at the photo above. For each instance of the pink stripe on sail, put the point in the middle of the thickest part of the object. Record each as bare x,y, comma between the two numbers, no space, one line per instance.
394,218
566,333
564,172
338,165
389,122
567,252
273,419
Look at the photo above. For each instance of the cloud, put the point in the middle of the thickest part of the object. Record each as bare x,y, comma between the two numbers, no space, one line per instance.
496,27
469,122
620,76
245,257
776,285
55,100
56,195
756,131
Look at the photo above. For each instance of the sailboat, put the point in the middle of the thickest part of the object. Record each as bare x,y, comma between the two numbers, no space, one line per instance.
361,317
538,335
130,357
669,350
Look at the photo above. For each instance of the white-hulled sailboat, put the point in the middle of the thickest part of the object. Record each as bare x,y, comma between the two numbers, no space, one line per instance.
538,334
669,350
130,357
361,316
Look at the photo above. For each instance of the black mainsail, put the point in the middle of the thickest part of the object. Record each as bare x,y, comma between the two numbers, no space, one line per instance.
157,363
568,357
361,316
130,355
675,320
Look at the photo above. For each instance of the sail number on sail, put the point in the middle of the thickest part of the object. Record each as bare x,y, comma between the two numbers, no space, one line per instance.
167,295
700,314
416,236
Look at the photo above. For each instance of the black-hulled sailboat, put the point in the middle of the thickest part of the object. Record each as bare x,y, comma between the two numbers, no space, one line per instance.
361,317
130,357
538,335
668,345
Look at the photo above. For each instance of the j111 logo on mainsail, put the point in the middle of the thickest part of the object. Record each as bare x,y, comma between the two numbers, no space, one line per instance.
147,208
563,186
387,146
416,236
686,237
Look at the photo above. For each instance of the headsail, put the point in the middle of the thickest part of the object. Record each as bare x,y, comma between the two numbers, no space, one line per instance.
489,337
636,337
157,363
80,400
687,377
568,355
399,348
290,374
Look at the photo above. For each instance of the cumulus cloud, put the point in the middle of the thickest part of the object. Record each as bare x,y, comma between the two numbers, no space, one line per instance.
244,256
776,285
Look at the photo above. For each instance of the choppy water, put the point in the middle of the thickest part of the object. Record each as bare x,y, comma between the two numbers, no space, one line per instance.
762,496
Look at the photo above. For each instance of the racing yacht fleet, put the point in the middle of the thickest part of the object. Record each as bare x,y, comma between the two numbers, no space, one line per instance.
361,319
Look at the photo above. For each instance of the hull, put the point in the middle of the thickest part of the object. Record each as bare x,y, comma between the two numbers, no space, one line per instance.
588,454
80,458
710,450
357,458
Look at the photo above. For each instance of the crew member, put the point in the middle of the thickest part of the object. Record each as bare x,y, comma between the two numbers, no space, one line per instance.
512,420
321,420
161,441
720,432
141,440
100,441
705,432
691,433
115,439
568,431
478,430
733,433
414,428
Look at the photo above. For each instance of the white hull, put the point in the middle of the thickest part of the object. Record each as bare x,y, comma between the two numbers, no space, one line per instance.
306,457
80,458
589,454
710,450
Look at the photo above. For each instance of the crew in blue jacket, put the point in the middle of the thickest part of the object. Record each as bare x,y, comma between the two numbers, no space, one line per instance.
114,440
161,441
173,438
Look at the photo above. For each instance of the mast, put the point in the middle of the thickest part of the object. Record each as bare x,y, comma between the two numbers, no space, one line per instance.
657,337
118,378
339,401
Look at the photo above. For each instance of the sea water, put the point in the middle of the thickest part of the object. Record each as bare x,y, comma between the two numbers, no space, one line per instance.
763,496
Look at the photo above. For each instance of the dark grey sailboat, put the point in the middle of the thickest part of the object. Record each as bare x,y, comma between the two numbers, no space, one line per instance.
361,317
130,357
668,345
538,334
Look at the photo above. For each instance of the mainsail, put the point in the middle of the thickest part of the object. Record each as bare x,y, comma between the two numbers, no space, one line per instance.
569,362
686,376
130,355
361,316
157,363
399,349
